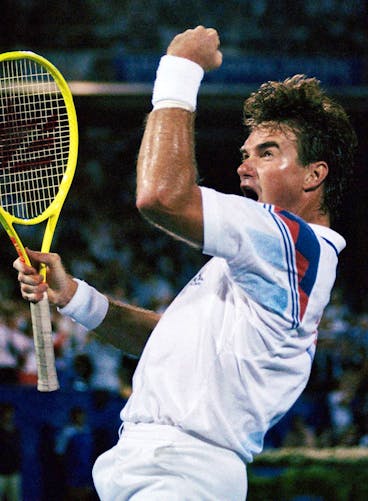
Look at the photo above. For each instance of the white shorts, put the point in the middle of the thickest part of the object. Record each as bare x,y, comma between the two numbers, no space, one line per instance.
161,463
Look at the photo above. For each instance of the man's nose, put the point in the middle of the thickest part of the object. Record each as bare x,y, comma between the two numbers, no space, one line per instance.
246,168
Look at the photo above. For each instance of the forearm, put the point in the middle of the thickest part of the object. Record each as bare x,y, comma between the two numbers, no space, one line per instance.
127,327
166,169
167,190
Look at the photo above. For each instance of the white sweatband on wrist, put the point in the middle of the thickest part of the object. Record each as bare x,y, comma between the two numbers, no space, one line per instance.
177,83
87,307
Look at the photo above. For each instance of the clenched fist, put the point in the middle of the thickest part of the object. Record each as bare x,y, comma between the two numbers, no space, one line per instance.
200,45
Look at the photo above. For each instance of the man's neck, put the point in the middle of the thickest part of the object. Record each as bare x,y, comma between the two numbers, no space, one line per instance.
309,209
315,216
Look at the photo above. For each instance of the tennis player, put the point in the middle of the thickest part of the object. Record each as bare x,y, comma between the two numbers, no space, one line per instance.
234,350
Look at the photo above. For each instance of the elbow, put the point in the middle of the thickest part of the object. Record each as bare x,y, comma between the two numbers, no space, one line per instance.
146,207
145,201
152,203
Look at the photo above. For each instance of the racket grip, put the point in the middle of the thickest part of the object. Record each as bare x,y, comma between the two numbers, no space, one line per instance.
42,335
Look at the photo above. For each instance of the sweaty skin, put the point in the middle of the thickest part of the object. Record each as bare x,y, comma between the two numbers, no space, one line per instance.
272,173
168,194
167,190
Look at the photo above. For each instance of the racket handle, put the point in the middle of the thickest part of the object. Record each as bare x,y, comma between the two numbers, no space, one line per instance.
42,335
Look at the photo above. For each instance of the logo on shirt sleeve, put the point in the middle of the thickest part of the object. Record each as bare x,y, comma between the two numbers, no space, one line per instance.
197,280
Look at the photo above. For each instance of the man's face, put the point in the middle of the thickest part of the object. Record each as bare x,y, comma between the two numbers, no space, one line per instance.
270,171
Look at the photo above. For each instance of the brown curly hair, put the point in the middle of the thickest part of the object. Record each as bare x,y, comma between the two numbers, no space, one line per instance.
322,128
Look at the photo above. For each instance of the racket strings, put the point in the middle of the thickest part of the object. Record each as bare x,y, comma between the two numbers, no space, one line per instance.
34,138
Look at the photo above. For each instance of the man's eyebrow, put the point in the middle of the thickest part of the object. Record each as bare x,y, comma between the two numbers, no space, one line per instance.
261,146
268,144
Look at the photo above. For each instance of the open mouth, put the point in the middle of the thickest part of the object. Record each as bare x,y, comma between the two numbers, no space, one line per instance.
249,193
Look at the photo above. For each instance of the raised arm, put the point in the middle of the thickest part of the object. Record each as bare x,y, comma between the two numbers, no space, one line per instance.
167,190
125,326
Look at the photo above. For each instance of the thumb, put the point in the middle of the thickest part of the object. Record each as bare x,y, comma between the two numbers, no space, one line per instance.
33,256
48,258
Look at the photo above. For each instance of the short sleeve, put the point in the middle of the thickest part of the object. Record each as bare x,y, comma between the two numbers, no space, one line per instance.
272,255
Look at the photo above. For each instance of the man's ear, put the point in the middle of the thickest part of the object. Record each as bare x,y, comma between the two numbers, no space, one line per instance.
316,173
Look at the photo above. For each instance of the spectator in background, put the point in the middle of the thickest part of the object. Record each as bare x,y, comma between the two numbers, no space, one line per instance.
69,342
340,402
126,372
83,371
74,445
10,455
299,434
15,346
105,360
228,357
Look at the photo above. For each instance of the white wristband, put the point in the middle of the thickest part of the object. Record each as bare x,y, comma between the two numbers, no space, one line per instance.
88,307
177,83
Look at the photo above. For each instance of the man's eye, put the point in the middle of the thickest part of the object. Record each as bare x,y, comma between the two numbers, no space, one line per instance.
267,153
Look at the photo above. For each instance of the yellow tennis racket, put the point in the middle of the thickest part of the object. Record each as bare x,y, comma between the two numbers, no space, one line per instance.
38,156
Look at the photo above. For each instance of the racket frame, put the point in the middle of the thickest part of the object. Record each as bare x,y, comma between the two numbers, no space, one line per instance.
52,212
47,377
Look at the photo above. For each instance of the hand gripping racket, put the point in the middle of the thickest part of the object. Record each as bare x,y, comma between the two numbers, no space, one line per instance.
38,155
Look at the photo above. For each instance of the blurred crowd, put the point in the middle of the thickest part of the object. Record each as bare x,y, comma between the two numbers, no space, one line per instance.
120,253
92,45
116,250
333,411
147,25
82,362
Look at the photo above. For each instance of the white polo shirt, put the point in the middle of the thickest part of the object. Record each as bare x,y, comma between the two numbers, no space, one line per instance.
234,349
